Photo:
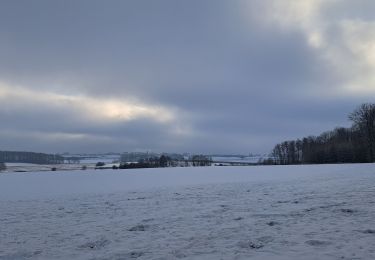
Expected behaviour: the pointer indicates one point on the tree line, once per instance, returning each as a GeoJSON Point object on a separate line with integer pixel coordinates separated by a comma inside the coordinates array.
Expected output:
{"type": "Point", "coordinates": [3, 167]}
{"type": "Point", "coordinates": [30, 157]}
{"type": "Point", "coordinates": [167, 161]}
{"type": "Point", "coordinates": [341, 145]}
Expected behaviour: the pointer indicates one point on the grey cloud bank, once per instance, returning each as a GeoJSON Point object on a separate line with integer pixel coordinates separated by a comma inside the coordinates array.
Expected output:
{"type": "Point", "coordinates": [195, 76]}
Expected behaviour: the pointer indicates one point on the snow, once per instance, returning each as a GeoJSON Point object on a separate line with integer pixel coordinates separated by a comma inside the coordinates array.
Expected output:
{"type": "Point", "coordinates": [259, 212]}
{"type": "Point", "coordinates": [29, 167]}
{"type": "Point", "coordinates": [245, 159]}
{"type": "Point", "coordinates": [94, 158]}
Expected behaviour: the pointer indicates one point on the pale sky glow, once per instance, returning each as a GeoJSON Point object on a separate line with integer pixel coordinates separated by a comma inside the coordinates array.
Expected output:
{"type": "Point", "coordinates": [93, 108]}
{"type": "Point", "coordinates": [191, 76]}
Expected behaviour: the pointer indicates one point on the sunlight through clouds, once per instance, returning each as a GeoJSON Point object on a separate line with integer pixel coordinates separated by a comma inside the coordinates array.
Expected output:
{"type": "Point", "coordinates": [92, 108]}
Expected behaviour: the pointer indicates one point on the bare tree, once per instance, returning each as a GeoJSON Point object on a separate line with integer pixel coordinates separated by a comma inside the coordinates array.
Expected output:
{"type": "Point", "coordinates": [364, 121]}
{"type": "Point", "coordinates": [341, 145]}
{"type": "Point", "coordinates": [2, 166]}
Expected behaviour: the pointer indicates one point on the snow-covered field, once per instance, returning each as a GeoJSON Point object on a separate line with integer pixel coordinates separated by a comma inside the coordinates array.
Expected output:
{"type": "Point", "coordinates": [30, 167]}
{"type": "Point", "coordinates": [246, 159]}
{"type": "Point", "coordinates": [269, 212]}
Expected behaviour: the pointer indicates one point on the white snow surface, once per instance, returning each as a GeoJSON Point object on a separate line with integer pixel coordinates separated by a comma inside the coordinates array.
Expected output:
{"type": "Point", "coordinates": [259, 212]}
{"type": "Point", "coordinates": [247, 159]}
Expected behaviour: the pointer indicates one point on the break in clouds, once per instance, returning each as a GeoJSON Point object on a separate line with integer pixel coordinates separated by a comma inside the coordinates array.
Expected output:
{"type": "Point", "coordinates": [194, 76]}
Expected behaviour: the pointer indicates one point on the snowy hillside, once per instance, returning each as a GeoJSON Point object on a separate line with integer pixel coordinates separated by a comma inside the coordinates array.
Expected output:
{"type": "Point", "coordinates": [265, 212]}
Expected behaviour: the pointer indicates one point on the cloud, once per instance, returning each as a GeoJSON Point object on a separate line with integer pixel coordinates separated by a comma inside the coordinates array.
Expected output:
{"type": "Point", "coordinates": [51, 121]}
{"type": "Point", "coordinates": [90, 108]}
{"type": "Point", "coordinates": [340, 32]}
{"type": "Point", "coordinates": [194, 76]}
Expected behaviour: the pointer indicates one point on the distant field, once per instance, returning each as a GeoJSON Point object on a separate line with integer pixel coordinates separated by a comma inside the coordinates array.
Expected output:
{"type": "Point", "coordinates": [29, 167]}
{"type": "Point", "coordinates": [259, 212]}
{"type": "Point", "coordinates": [88, 161]}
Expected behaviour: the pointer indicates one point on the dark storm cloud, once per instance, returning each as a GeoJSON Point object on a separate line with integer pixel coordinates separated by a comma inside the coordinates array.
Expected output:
{"type": "Point", "coordinates": [230, 81]}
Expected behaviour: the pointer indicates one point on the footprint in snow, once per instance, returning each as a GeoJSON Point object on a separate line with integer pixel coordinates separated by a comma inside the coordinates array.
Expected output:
{"type": "Point", "coordinates": [318, 243]}
{"type": "Point", "coordinates": [139, 228]}
{"type": "Point", "coordinates": [135, 254]}
{"type": "Point", "coordinates": [272, 223]}
{"type": "Point", "coordinates": [95, 245]}
{"type": "Point", "coordinates": [367, 231]}
{"type": "Point", "coordinates": [250, 244]}
{"type": "Point", "coordinates": [349, 211]}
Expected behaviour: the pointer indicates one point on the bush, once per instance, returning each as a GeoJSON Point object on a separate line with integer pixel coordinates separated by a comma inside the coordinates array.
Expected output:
{"type": "Point", "coordinates": [53, 169]}
{"type": "Point", "coordinates": [84, 167]}
{"type": "Point", "coordinates": [99, 164]}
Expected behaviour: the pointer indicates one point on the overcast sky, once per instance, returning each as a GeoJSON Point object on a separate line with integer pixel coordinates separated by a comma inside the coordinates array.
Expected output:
{"type": "Point", "coordinates": [204, 76]}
